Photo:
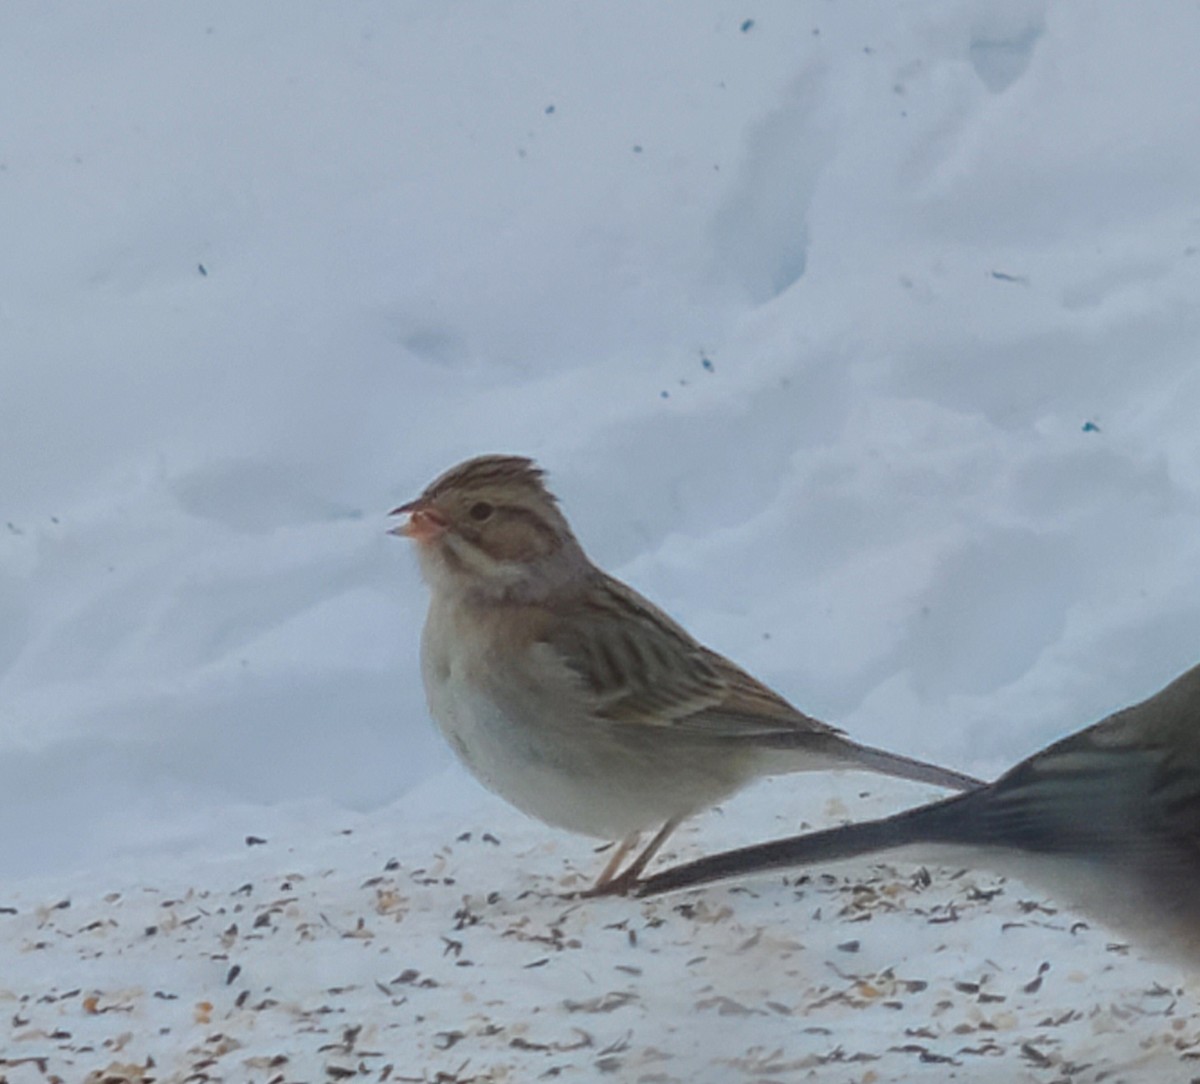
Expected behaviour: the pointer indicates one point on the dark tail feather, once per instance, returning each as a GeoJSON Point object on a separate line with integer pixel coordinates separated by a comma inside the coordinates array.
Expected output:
{"type": "Point", "coordinates": [930, 823]}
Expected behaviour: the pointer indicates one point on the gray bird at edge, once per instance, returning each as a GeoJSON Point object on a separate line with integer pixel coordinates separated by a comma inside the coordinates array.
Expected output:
{"type": "Point", "coordinates": [1107, 820]}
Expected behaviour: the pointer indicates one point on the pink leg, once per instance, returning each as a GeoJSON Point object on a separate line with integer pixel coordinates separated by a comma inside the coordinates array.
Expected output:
{"type": "Point", "coordinates": [614, 863]}
{"type": "Point", "coordinates": [612, 884]}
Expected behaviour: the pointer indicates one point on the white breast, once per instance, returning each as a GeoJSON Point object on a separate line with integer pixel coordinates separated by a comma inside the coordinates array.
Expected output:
{"type": "Point", "coordinates": [518, 721]}
{"type": "Point", "coordinates": [500, 734]}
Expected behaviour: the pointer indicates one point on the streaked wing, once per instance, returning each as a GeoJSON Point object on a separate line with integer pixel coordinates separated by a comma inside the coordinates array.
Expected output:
{"type": "Point", "coordinates": [645, 669]}
{"type": "Point", "coordinates": [1089, 793]}
{"type": "Point", "coordinates": [750, 707]}
{"type": "Point", "coordinates": [1064, 803]}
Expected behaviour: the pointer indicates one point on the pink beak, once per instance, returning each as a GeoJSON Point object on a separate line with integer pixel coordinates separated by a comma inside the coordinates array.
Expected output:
{"type": "Point", "coordinates": [424, 523]}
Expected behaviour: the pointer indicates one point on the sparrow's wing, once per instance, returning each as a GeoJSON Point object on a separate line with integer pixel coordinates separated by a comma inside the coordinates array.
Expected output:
{"type": "Point", "coordinates": [644, 669]}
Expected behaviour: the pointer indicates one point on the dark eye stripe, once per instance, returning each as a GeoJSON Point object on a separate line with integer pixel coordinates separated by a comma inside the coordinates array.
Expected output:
{"type": "Point", "coordinates": [534, 520]}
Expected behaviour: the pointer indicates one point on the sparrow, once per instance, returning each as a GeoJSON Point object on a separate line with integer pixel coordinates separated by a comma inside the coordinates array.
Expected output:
{"type": "Point", "coordinates": [570, 695]}
{"type": "Point", "coordinates": [1107, 820]}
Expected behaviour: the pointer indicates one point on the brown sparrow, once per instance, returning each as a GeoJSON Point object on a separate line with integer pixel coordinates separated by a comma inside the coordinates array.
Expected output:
{"type": "Point", "coordinates": [1108, 820]}
{"type": "Point", "coordinates": [574, 698]}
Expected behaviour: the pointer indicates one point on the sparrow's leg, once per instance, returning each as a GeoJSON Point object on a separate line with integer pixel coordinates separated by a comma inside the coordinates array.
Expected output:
{"type": "Point", "coordinates": [614, 863]}
{"type": "Point", "coordinates": [612, 884]}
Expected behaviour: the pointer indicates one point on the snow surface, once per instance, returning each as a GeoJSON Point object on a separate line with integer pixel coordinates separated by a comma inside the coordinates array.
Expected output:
{"type": "Point", "coordinates": [450, 955]}
{"type": "Point", "coordinates": [863, 338]}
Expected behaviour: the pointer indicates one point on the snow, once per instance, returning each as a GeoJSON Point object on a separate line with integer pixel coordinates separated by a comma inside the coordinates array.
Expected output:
{"type": "Point", "coordinates": [451, 954]}
{"type": "Point", "coordinates": [862, 338]}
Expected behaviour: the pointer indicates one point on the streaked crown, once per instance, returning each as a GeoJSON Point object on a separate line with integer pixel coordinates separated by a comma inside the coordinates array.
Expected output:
{"type": "Point", "coordinates": [507, 473]}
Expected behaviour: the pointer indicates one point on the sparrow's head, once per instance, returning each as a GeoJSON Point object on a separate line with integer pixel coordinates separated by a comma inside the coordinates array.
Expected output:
{"type": "Point", "coordinates": [490, 527]}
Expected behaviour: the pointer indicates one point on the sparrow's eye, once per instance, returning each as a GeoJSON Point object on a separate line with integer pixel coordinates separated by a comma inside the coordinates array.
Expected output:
{"type": "Point", "coordinates": [480, 511]}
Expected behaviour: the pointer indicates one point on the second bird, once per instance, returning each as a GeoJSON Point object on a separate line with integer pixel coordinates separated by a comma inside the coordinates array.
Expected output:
{"type": "Point", "coordinates": [573, 697]}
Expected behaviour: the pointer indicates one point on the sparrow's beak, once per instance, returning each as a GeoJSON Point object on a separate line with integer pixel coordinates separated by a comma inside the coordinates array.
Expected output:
{"type": "Point", "coordinates": [424, 524]}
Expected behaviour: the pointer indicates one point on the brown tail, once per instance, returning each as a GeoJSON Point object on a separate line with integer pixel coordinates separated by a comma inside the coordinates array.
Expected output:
{"type": "Point", "coordinates": [877, 760]}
